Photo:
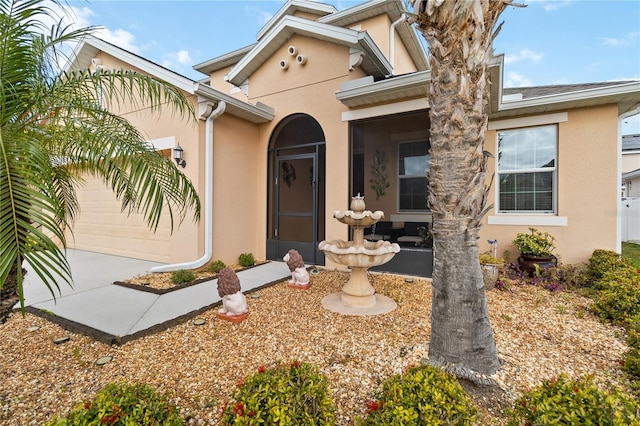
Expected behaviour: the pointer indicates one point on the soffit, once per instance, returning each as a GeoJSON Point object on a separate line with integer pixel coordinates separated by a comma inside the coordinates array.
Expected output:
{"type": "Point", "coordinates": [374, 62]}
{"type": "Point", "coordinates": [397, 88]}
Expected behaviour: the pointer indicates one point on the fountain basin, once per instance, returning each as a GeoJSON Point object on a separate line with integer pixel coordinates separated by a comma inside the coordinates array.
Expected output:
{"type": "Point", "coordinates": [369, 255]}
{"type": "Point", "coordinates": [358, 219]}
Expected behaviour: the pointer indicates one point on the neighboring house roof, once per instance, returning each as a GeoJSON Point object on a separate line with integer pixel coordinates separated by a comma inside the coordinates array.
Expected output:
{"type": "Point", "coordinates": [631, 175]}
{"type": "Point", "coordinates": [374, 62]}
{"type": "Point", "coordinates": [91, 46]}
{"type": "Point", "coordinates": [273, 35]}
{"type": "Point", "coordinates": [630, 143]}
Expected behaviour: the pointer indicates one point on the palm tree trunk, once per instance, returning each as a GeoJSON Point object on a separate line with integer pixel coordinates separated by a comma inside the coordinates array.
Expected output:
{"type": "Point", "coordinates": [9, 294]}
{"type": "Point", "coordinates": [459, 37]}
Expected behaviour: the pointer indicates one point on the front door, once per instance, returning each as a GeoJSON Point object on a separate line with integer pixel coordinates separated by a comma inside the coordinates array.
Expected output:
{"type": "Point", "coordinates": [295, 216]}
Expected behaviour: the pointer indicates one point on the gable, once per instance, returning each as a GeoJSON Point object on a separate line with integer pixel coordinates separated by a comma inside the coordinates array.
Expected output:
{"type": "Point", "coordinates": [323, 61]}
{"type": "Point", "coordinates": [373, 61]}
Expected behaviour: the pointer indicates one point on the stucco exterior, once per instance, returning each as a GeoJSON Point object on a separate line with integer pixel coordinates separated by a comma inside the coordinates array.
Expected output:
{"type": "Point", "coordinates": [362, 101]}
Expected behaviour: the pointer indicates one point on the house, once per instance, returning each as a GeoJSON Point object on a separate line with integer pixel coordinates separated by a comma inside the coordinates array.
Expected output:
{"type": "Point", "coordinates": [293, 125]}
{"type": "Point", "coordinates": [630, 166]}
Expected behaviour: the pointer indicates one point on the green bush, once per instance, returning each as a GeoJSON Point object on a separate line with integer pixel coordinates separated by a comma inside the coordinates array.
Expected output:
{"type": "Point", "coordinates": [216, 266]}
{"type": "Point", "coordinates": [619, 296]}
{"type": "Point", "coordinates": [422, 395]}
{"type": "Point", "coordinates": [632, 363]}
{"type": "Point", "coordinates": [287, 394]}
{"type": "Point", "coordinates": [633, 331]}
{"type": "Point", "coordinates": [182, 276]}
{"type": "Point", "coordinates": [122, 404]}
{"type": "Point", "coordinates": [246, 259]}
{"type": "Point", "coordinates": [573, 402]}
{"type": "Point", "coordinates": [603, 261]}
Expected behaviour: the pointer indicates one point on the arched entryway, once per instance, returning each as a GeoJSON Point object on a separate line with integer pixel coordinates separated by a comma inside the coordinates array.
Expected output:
{"type": "Point", "coordinates": [296, 189]}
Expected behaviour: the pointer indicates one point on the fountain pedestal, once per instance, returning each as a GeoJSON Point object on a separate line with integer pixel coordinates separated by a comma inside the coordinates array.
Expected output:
{"type": "Point", "coordinates": [358, 297]}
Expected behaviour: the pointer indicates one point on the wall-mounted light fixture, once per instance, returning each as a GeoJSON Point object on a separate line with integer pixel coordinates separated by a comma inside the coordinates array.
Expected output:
{"type": "Point", "coordinates": [177, 155]}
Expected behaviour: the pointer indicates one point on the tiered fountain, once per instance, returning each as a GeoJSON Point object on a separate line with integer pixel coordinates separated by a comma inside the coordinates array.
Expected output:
{"type": "Point", "coordinates": [358, 297]}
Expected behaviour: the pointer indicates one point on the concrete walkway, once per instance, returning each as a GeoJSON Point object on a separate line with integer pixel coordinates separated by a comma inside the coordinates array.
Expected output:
{"type": "Point", "coordinates": [116, 314]}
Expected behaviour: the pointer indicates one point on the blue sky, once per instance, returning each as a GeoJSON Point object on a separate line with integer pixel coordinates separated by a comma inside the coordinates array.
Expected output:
{"type": "Point", "coordinates": [548, 42]}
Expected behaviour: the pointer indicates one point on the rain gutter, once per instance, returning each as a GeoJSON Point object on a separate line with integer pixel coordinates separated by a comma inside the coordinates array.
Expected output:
{"type": "Point", "coordinates": [208, 113]}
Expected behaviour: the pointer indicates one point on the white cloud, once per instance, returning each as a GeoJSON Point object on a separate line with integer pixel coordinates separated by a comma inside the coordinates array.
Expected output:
{"type": "Point", "coordinates": [121, 38]}
{"type": "Point", "coordinates": [551, 5]}
{"type": "Point", "coordinates": [523, 55]}
{"type": "Point", "coordinates": [176, 59]}
{"type": "Point", "coordinates": [624, 41]}
{"type": "Point", "coordinates": [513, 79]}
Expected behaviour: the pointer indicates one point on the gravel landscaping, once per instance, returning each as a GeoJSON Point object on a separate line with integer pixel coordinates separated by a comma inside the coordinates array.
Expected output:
{"type": "Point", "coordinates": [539, 334]}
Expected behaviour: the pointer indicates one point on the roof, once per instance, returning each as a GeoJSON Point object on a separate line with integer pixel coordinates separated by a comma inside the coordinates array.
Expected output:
{"type": "Point", "coordinates": [630, 143]}
{"type": "Point", "coordinates": [631, 175]}
{"type": "Point", "coordinates": [281, 27]}
{"type": "Point", "coordinates": [91, 46]}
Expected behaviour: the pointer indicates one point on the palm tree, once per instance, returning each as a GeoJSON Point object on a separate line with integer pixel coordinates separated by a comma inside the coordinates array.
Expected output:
{"type": "Point", "coordinates": [460, 36]}
{"type": "Point", "coordinates": [55, 127]}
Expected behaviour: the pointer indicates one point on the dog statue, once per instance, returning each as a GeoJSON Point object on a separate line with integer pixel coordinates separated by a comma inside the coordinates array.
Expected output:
{"type": "Point", "coordinates": [299, 273]}
{"type": "Point", "coordinates": [233, 301]}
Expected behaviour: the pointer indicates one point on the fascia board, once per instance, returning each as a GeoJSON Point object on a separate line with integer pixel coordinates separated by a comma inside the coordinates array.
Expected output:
{"type": "Point", "coordinates": [293, 5]}
{"type": "Point", "coordinates": [631, 175]}
{"type": "Point", "coordinates": [225, 60]}
{"type": "Point", "coordinates": [417, 79]}
{"type": "Point", "coordinates": [355, 11]}
{"type": "Point", "coordinates": [374, 54]}
{"type": "Point", "coordinates": [148, 67]}
{"type": "Point", "coordinates": [253, 113]}
{"type": "Point", "coordinates": [568, 98]}
{"type": "Point", "coordinates": [290, 25]}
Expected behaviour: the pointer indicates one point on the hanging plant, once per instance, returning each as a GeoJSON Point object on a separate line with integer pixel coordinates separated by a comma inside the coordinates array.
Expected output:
{"type": "Point", "coordinates": [379, 179]}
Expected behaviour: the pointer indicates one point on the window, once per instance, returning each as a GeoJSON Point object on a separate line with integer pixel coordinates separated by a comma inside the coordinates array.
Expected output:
{"type": "Point", "coordinates": [413, 162]}
{"type": "Point", "coordinates": [527, 170]}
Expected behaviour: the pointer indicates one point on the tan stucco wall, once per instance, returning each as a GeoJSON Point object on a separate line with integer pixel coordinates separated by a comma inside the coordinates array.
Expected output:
{"type": "Point", "coordinates": [101, 226]}
{"type": "Point", "coordinates": [239, 190]}
{"type": "Point", "coordinates": [588, 187]}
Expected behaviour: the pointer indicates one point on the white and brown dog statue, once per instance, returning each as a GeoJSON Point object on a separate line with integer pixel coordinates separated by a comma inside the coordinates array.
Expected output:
{"type": "Point", "coordinates": [299, 273]}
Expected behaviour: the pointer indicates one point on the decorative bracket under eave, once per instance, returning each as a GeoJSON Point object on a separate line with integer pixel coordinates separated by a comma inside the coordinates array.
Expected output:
{"type": "Point", "coordinates": [355, 58]}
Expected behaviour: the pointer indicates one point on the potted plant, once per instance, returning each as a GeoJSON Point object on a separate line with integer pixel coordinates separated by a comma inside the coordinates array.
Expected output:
{"type": "Point", "coordinates": [536, 250]}
{"type": "Point", "coordinates": [491, 267]}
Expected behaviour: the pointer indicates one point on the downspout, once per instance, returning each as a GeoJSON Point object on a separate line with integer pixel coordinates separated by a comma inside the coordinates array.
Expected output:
{"type": "Point", "coordinates": [209, 114]}
{"type": "Point", "coordinates": [392, 40]}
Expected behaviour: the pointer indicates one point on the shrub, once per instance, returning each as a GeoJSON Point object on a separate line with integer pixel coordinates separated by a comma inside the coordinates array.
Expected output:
{"type": "Point", "coordinates": [536, 243]}
{"type": "Point", "coordinates": [632, 363]}
{"type": "Point", "coordinates": [619, 297]}
{"type": "Point", "coordinates": [633, 331]}
{"type": "Point", "coordinates": [603, 261]}
{"type": "Point", "coordinates": [123, 404]}
{"type": "Point", "coordinates": [182, 276]}
{"type": "Point", "coordinates": [246, 259]}
{"type": "Point", "coordinates": [216, 266]}
{"type": "Point", "coordinates": [287, 394]}
{"type": "Point", "coordinates": [573, 402]}
{"type": "Point", "coordinates": [422, 395]}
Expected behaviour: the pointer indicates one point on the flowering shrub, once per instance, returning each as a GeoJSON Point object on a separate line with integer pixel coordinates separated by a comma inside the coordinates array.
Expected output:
{"type": "Point", "coordinates": [287, 394]}
{"type": "Point", "coordinates": [422, 395]}
{"type": "Point", "coordinates": [573, 402]}
{"type": "Point", "coordinates": [123, 404]}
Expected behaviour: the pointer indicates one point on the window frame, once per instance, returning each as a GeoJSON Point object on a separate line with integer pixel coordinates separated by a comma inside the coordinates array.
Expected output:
{"type": "Point", "coordinates": [412, 176]}
{"type": "Point", "coordinates": [552, 170]}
